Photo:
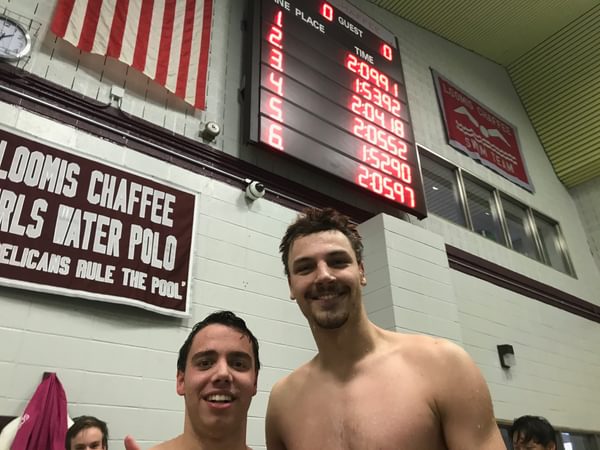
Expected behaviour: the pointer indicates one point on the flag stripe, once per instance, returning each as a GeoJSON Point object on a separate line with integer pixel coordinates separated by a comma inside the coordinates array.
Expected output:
{"type": "Point", "coordinates": [190, 92]}
{"type": "Point", "coordinates": [166, 36]}
{"type": "Point", "coordinates": [101, 40]}
{"type": "Point", "coordinates": [143, 35]}
{"type": "Point", "coordinates": [130, 33]}
{"type": "Point", "coordinates": [167, 40]}
{"type": "Point", "coordinates": [73, 31]}
{"type": "Point", "coordinates": [154, 40]}
{"type": "Point", "coordinates": [203, 66]}
{"type": "Point", "coordinates": [186, 47]}
{"type": "Point", "coordinates": [117, 29]}
{"type": "Point", "coordinates": [60, 22]}
{"type": "Point", "coordinates": [175, 48]}
{"type": "Point", "coordinates": [90, 24]}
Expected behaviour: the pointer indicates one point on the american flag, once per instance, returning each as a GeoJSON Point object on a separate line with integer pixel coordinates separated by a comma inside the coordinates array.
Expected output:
{"type": "Point", "coordinates": [168, 40]}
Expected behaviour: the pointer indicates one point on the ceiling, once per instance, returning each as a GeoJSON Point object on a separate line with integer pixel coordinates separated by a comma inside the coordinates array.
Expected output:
{"type": "Point", "coordinates": [551, 50]}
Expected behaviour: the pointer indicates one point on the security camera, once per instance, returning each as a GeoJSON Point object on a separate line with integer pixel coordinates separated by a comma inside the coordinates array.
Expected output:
{"type": "Point", "coordinates": [255, 190]}
{"type": "Point", "coordinates": [211, 131]}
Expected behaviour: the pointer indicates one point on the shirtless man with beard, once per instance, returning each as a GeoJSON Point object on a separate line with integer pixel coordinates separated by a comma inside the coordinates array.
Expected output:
{"type": "Point", "coordinates": [217, 372]}
{"type": "Point", "coordinates": [367, 388]}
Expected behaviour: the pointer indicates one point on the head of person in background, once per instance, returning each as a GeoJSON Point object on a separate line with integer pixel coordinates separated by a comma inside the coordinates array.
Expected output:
{"type": "Point", "coordinates": [87, 433]}
{"type": "Point", "coordinates": [532, 433]}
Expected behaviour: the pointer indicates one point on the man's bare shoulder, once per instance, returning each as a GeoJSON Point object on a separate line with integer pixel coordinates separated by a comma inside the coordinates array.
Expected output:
{"type": "Point", "coordinates": [292, 380]}
{"type": "Point", "coordinates": [424, 347]}
{"type": "Point", "coordinates": [172, 444]}
{"type": "Point", "coordinates": [440, 359]}
{"type": "Point", "coordinates": [413, 349]}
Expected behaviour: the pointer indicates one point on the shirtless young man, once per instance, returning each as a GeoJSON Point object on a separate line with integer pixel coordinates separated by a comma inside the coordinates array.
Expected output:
{"type": "Point", "coordinates": [367, 388]}
{"type": "Point", "coordinates": [217, 371]}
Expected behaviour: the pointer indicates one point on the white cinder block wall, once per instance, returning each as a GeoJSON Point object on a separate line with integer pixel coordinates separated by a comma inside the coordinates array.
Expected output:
{"type": "Point", "coordinates": [586, 199]}
{"type": "Point", "coordinates": [558, 364]}
{"type": "Point", "coordinates": [409, 287]}
{"type": "Point", "coordinates": [119, 362]}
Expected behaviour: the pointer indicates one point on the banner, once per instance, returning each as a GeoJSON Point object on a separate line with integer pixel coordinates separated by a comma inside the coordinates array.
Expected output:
{"type": "Point", "coordinates": [480, 133]}
{"type": "Point", "coordinates": [167, 40]}
{"type": "Point", "coordinates": [76, 227]}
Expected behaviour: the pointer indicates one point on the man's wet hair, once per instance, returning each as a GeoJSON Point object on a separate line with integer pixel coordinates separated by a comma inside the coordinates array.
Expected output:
{"type": "Point", "coordinates": [533, 428]}
{"type": "Point", "coordinates": [314, 220]}
{"type": "Point", "coordinates": [83, 422]}
{"type": "Point", "coordinates": [226, 318]}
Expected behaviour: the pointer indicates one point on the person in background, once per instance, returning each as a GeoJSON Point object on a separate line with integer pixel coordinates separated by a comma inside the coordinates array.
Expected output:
{"type": "Point", "coordinates": [532, 433]}
{"type": "Point", "coordinates": [367, 388]}
{"type": "Point", "coordinates": [87, 433]}
{"type": "Point", "coordinates": [217, 373]}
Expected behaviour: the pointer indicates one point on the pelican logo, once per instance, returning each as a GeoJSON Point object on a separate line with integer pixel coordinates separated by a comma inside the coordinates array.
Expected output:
{"type": "Point", "coordinates": [485, 132]}
{"type": "Point", "coordinates": [477, 131]}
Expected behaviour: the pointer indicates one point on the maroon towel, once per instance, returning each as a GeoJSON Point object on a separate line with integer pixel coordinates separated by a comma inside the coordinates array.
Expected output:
{"type": "Point", "coordinates": [44, 423]}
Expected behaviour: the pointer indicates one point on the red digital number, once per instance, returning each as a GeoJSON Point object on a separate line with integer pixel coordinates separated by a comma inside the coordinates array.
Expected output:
{"type": "Point", "coordinates": [397, 127]}
{"type": "Point", "coordinates": [327, 11]}
{"type": "Point", "coordinates": [387, 187]}
{"type": "Point", "coordinates": [279, 19]}
{"type": "Point", "coordinates": [377, 116]}
{"type": "Point", "coordinates": [367, 72]}
{"type": "Point", "coordinates": [387, 163]}
{"type": "Point", "coordinates": [275, 109]}
{"type": "Point", "coordinates": [377, 96]}
{"type": "Point", "coordinates": [276, 81]}
{"type": "Point", "coordinates": [367, 110]}
{"type": "Point", "coordinates": [380, 138]}
{"type": "Point", "coordinates": [386, 51]}
{"type": "Point", "coordinates": [275, 36]}
{"type": "Point", "coordinates": [275, 136]}
{"type": "Point", "coordinates": [370, 74]}
{"type": "Point", "coordinates": [276, 59]}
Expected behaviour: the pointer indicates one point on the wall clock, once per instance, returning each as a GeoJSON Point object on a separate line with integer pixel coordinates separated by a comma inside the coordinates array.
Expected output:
{"type": "Point", "coordinates": [15, 41]}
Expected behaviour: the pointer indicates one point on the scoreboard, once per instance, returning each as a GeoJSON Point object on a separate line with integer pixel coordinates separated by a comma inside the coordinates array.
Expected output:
{"type": "Point", "coordinates": [327, 90]}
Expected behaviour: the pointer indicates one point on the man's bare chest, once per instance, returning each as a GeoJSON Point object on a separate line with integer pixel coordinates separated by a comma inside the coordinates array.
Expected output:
{"type": "Point", "coordinates": [380, 413]}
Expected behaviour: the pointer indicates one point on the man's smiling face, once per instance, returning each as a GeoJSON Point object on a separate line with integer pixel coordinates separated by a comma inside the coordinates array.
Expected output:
{"type": "Point", "coordinates": [325, 278]}
{"type": "Point", "coordinates": [219, 380]}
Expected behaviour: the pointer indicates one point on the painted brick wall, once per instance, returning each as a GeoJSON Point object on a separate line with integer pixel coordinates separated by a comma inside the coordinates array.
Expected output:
{"type": "Point", "coordinates": [409, 289]}
{"type": "Point", "coordinates": [586, 199]}
{"type": "Point", "coordinates": [557, 374]}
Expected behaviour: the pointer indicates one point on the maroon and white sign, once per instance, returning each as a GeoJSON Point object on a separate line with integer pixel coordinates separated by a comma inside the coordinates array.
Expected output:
{"type": "Point", "coordinates": [74, 226]}
{"type": "Point", "coordinates": [482, 134]}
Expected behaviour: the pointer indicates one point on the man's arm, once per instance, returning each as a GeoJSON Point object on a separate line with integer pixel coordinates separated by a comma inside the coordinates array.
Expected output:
{"type": "Point", "coordinates": [464, 403]}
{"type": "Point", "coordinates": [272, 422]}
